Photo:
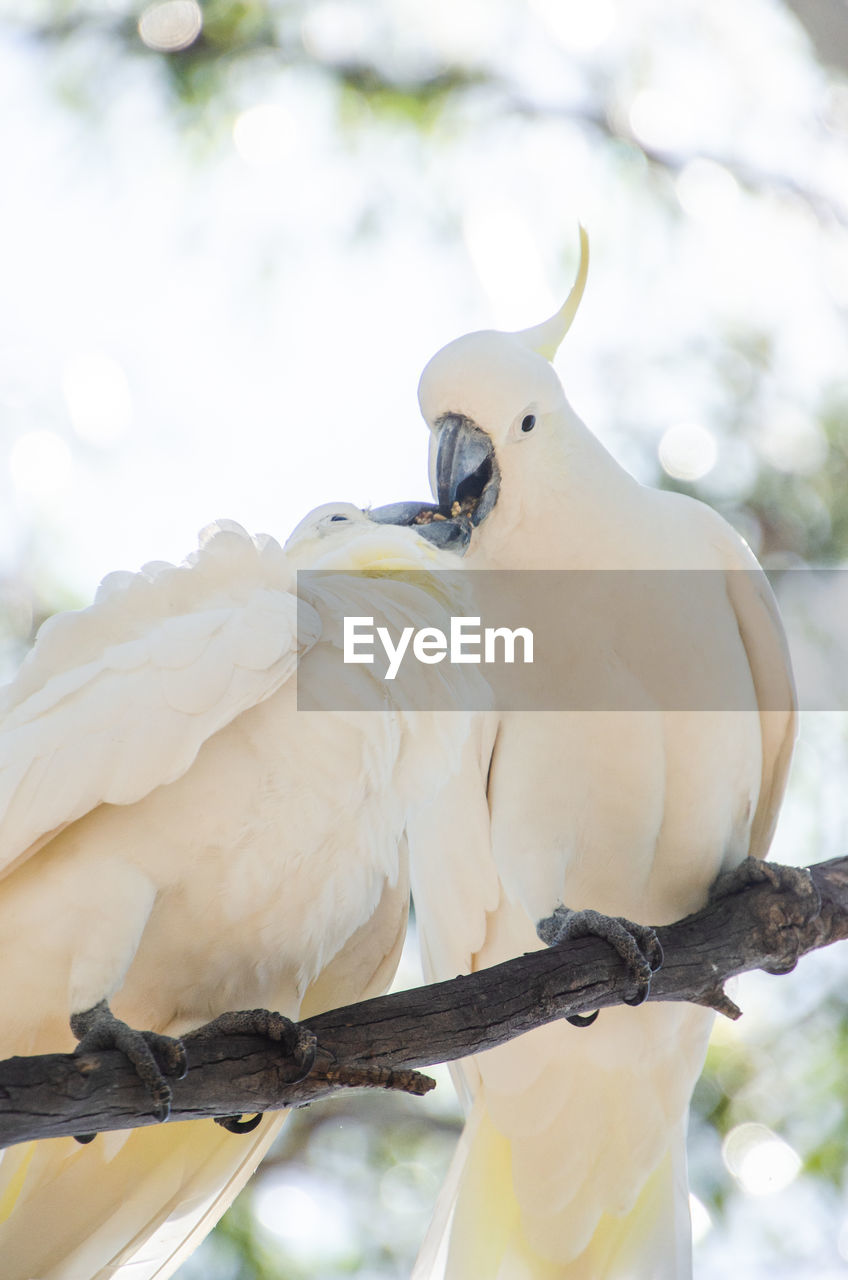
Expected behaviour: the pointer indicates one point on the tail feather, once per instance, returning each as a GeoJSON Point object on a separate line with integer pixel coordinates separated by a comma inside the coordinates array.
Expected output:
{"type": "Point", "coordinates": [432, 1256]}
{"type": "Point", "coordinates": [486, 1217]}
{"type": "Point", "coordinates": [162, 1246]}
{"type": "Point", "coordinates": [651, 1241]}
{"type": "Point", "coordinates": [140, 1201]}
{"type": "Point", "coordinates": [484, 1227]}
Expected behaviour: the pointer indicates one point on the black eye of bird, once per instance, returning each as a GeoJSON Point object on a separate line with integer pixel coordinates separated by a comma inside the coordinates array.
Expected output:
{"type": "Point", "coordinates": [529, 422]}
{"type": "Point", "coordinates": [332, 518]}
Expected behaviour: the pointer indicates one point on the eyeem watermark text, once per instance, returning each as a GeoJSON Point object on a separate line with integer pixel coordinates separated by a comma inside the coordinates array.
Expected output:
{"type": "Point", "coordinates": [466, 642]}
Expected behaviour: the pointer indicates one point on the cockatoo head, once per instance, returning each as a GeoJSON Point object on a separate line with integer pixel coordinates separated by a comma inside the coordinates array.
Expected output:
{"type": "Point", "coordinates": [340, 536]}
{"type": "Point", "coordinates": [323, 523]}
{"type": "Point", "coordinates": [499, 420]}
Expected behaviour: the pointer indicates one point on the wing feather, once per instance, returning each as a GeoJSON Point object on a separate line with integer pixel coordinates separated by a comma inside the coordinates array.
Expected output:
{"type": "Point", "coordinates": [763, 637]}
{"type": "Point", "coordinates": [455, 884]}
{"type": "Point", "coordinates": [117, 699]}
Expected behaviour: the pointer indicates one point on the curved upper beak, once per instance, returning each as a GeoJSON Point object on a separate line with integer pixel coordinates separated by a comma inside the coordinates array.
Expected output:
{"type": "Point", "coordinates": [465, 469]}
{"type": "Point", "coordinates": [466, 466]}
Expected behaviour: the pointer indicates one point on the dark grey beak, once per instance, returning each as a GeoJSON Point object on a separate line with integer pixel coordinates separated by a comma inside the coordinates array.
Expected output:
{"type": "Point", "coordinates": [449, 534]}
{"type": "Point", "coordinates": [466, 466]}
{"type": "Point", "coordinates": [465, 469]}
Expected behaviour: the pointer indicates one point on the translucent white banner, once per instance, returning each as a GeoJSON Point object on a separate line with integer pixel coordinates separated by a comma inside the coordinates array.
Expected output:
{"type": "Point", "coordinates": [574, 640]}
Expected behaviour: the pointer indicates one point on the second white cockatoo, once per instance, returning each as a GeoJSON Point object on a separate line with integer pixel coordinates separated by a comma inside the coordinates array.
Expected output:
{"type": "Point", "coordinates": [179, 840]}
{"type": "Point", "coordinates": [573, 1165]}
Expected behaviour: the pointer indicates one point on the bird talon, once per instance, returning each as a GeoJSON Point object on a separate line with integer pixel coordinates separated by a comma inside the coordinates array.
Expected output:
{"type": "Point", "coordinates": [639, 998]}
{"type": "Point", "coordinates": [237, 1124]}
{"type": "Point", "coordinates": [753, 871]}
{"type": "Point", "coordinates": [300, 1044]}
{"type": "Point", "coordinates": [169, 1053]}
{"type": "Point", "coordinates": [653, 950]}
{"type": "Point", "coordinates": [305, 1053]}
{"type": "Point", "coordinates": [161, 1095]}
{"type": "Point", "coordinates": [151, 1054]}
{"type": "Point", "coordinates": [637, 945]}
{"type": "Point", "coordinates": [582, 1019]}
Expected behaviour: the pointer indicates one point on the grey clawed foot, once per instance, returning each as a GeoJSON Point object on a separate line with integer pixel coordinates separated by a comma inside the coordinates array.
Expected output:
{"type": "Point", "coordinates": [637, 944]}
{"type": "Point", "coordinates": [803, 906]}
{"type": "Point", "coordinates": [752, 871]}
{"type": "Point", "coordinates": [299, 1045]}
{"type": "Point", "coordinates": [154, 1056]}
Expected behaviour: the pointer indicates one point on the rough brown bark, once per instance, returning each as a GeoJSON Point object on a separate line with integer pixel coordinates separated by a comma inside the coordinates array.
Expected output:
{"type": "Point", "coordinates": [378, 1043]}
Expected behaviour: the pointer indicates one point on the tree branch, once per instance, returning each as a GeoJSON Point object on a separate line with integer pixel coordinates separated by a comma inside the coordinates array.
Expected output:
{"type": "Point", "coordinates": [378, 1043]}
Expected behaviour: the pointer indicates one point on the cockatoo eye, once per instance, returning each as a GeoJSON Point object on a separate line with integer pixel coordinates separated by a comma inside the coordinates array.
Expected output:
{"type": "Point", "coordinates": [334, 518]}
{"type": "Point", "coordinates": [529, 422]}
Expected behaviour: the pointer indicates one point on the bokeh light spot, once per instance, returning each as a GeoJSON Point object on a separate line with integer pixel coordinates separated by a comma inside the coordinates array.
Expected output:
{"type": "Point", "coordinates": [312, 1222]}
{"type": "Point", "coordinates": [793, 442]}
{"type": "Point", "coordinates": [761, 1162]}
{"type": "Point", "coordinates": [687, 451]}
{"type": "Point", "coordinates": [170, 25]}
{"type": "Point", "coordinates": [97, 394]}
{"type": "Point", "coordinates": [706, 190]}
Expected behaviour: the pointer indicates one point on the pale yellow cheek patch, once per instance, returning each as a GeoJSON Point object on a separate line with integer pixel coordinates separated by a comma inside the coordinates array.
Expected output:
{"type": "Point", "coordinates": [444, 590]}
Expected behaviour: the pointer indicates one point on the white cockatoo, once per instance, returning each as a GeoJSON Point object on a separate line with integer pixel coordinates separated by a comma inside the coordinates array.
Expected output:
{"type": "Point", "coordinates": [179, 840]}
{"type": "Point", "coordinates": [572, 1165]}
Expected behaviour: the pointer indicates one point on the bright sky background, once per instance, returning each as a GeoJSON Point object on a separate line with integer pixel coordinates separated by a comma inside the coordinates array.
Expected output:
{"type": "Point", "coordinates": [242, 336]}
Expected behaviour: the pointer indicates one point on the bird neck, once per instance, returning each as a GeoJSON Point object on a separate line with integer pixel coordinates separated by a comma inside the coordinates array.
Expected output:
{"type": "Point", "coordinates": [568, 513]}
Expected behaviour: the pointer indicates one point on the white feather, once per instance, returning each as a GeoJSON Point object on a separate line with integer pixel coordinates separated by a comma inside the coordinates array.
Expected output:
{"type": "Point", "coordinates": [180, 839]}
{"type": "Point", "coordinates": [575, 1164]}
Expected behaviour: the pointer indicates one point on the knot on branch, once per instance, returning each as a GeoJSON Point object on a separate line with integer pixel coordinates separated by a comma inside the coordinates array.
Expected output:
{"type": "Point", "coordinates": [718, 999]}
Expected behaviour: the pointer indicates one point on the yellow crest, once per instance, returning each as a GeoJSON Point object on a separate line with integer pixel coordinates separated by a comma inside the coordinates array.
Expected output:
{"type": "Point", "coordinates": [546, 337]}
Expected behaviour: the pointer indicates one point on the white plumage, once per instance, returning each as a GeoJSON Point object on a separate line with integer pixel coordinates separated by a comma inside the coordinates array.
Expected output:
{"type": "Point", "coordinates": [177, 838]}
{"type": "Point", "coordinates": [573, 1165]}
